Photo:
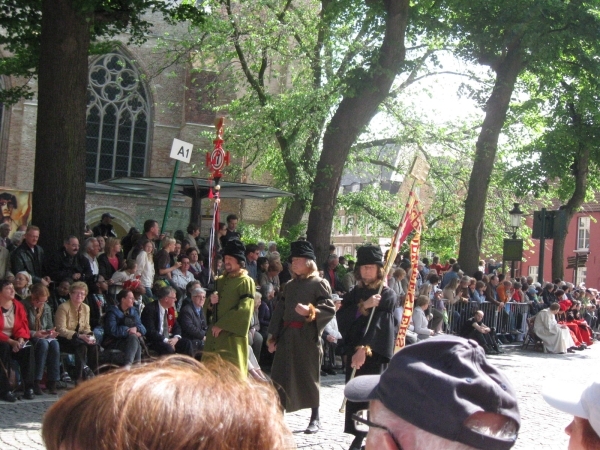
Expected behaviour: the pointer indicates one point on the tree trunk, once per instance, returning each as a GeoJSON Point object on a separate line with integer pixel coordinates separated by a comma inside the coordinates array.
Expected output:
{"type": "Point", "coordinates": [558, 252]}
{"type": "Point", "coordinates": [59, 179]}
{"type": "Point", "coordinates": [485, 155]}
{"type": "Point", "coordinates": [296, 209]}
{"type": "Point", "coordinates": [294, 212]}
{"type": "Point", "coordinates": [353, 114]}
{"type": "Point", "coordinates": [580, 170]}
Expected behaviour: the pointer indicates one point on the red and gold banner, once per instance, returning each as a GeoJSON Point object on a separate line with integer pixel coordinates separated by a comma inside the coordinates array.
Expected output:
{"type": "Point", "coordinates": [412, 287]}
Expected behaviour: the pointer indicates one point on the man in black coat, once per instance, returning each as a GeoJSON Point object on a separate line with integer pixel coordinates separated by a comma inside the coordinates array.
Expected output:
{"type": "Point", "coordinates": [29, 257]}
{"type": "Point", "coordinates": [163, 333]}
{"type": "Point", "coordinates": [105, 228]}
{"type": "Point", "coordinates": [69, 263]}
{"type": "Point", "coordinates": [192, 321]}
{"type": "Point", "coordinates": [368, 349]}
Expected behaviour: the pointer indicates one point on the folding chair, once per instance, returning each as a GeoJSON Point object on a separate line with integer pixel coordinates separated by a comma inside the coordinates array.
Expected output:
{"type": "Point", "coordinates": [531, 337]}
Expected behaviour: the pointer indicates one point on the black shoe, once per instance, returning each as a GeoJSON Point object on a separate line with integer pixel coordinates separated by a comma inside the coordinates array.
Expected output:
{"type": "Point", "coordinates": [8, 397]}
{"type": "Point", "coordinates": [28, 394]}
{"type": "Point", "coordinates": [331, 371]}
{"type": "Point", "coordinates": [580, 348]}
{"type": "Point", "coordinates": [88, 374]}
{"type": "Point", "coordinates": [323, 373]}
{"type": "Point", "coordinates": [570, 350]}
{"type": "Point", "coordinates": [503, 340]}
{"type": "Point", "coordinates": [37, 390]}
{"type": "Point", "coordinates": [313, 427]}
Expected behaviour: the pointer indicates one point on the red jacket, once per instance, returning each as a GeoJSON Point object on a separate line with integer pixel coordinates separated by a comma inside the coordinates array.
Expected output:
{"type": "Point", "coordinates": [21, 328]}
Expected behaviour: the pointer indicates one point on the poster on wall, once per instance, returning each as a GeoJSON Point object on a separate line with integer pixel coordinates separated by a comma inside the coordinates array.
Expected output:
{"type": "Point", "coordinates": [15, 208]}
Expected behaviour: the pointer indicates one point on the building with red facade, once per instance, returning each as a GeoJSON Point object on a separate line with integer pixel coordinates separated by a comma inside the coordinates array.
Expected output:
{"type": "Point", "coordinates": [583, 238]}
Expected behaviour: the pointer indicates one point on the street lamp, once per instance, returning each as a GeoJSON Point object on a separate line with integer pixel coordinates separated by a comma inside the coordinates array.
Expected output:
{"type": "Point", "coordinates": [515, 219]}
{"type": "Point", "coordinates": [513, 248]}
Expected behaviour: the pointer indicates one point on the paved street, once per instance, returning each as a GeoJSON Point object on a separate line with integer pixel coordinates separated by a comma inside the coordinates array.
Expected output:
{"type": "Point", "coordinates": [542, 427]}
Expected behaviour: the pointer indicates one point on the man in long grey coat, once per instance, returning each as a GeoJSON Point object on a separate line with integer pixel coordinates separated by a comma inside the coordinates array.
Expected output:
{"type": "Point", "coordinates": [295, 332]}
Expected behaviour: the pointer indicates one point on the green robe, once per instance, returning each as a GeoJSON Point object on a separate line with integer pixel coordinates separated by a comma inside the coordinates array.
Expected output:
{"type": "Point", "coordinates": [232, 314]}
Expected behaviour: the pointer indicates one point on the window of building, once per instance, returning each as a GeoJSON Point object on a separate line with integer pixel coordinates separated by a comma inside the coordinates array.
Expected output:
{"type": "Point", "coordinates": [533, 272]}
{"type": "Point", "coordinates": [581, 275]}
{"type": "Point", "coordinates": [583, 233]}
{"type": "Point", "coordinates": [342, 223]}
{"type": "Point", "coordinates": [118, 115]}
{"type": "Point", "coordinates": [350, 226]}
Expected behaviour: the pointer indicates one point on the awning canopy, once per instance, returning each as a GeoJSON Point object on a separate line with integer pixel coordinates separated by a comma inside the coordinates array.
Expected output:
{"type": "Point", "coordinates": [196, 188]}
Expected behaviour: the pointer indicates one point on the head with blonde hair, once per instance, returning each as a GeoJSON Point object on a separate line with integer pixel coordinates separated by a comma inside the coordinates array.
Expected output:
{"type": "Point", "coordinates": [112, 246]}
{"type": "Point", "coordinates": [168, 243]}
{"type": "Point", "coordinates": [38, 290]}
{"type": "Point", "coordinates": [422, 301]}
{"type": "Point", "coordinates": [176, 403]}
{"type": "Point", "coordinates": [78, 286]}
{"type": "Point", "coordinates": [299, 272]}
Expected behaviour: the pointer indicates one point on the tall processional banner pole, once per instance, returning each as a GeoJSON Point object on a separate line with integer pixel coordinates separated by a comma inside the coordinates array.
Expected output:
{"type": "Point", "coordinates": [418, 172]}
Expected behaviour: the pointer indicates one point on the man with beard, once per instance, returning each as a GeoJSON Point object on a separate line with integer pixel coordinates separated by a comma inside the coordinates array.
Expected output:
{"type": "Point", "coordinates": [368, 350]}
{"type": "Point", "coordinates": [230, 313]}
{"type": "Point", "coordinates": [295, 332]}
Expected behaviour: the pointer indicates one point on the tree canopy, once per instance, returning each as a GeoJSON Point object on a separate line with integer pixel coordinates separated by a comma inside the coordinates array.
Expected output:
{"type": "Point", "coordinates": [51, 40]}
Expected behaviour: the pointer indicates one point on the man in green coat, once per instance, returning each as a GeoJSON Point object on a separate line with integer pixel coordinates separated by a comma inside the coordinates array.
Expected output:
{"type": "Point", "coordinates": [229, 316]}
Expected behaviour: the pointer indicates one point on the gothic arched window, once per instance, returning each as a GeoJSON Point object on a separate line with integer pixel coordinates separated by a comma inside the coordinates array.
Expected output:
{"type": "Point", "coordinates": [118, 116]}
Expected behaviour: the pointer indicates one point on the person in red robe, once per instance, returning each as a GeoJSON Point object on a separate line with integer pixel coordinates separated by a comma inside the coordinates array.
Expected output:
{"type": "Point", "coordinates": [579, 332]}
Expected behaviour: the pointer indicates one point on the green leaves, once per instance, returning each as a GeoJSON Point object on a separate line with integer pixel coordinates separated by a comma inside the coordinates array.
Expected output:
{"type": "Point", "coordinates": [20, 21]}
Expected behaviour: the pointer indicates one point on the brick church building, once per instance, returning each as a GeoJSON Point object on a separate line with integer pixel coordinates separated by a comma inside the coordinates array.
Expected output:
{"type": "Point", "coordinates": [135, 110]}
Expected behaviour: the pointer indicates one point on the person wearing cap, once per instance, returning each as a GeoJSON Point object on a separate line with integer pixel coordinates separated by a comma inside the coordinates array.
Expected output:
{"type": "Point", "coordinates": [295, 330]}
{"type": "Point", "coordinates": [229, 313]}
{"type": "Point", "coordinates": [105, 228]}
{"type": "Point", "coordinates": [368, 350]}
{"type": "Point", "coordinates": [582, 402]}
{"type": "Point", "coordinates": [437, 393]}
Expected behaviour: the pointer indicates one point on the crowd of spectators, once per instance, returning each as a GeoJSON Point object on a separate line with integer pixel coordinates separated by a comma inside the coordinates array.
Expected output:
{"type": "Point", "coordinates": [68, 312]}
{"type": "Point", "coordinates": [145, 293]}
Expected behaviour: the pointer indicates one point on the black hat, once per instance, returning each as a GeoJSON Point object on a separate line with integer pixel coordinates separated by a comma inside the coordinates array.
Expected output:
{"type": "Point", "coordinates": [437, 384]}
{"type": "Point", "coordinates": [107, 214]}
{"type": "Point", "coordinates": [369, 254]}
{"type": "Point", "coordinates": [235, 248]}
{"type": "Point", "coordinates": [302, 249]}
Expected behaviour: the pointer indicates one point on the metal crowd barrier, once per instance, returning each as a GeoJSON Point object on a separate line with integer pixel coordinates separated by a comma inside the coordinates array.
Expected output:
{"type": "Point", "coordinates": [511, 319]}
